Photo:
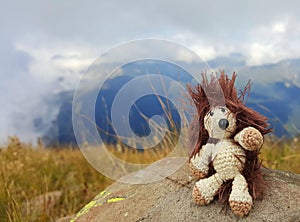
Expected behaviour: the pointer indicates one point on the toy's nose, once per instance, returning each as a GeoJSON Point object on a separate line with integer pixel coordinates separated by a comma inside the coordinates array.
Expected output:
{"type": "Point", "coordinates": [223, 124]}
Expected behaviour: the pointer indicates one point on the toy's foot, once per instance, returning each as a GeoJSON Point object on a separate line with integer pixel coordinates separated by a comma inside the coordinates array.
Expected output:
{"type": "Point", "coordinates": [198, 197]}
{"type": "Point", "coordinates": [240, 208]}
{"type": "Point", "coordinates": [240, 200]}
{"type": "Point", "coordinates": [197, 173]}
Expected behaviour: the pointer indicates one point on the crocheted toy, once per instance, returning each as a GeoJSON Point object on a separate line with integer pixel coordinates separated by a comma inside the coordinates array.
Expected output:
{"type": "Point", "coordinates": [226, 137]}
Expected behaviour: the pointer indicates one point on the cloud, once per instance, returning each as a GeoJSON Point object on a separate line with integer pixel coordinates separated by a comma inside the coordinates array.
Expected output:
{"type": "Point", "coordinates": [273, 42]}
{"type": "Point", "coordinates": [279, 27]}
{"type": "Point", "coordinates": [45, 46]}
{"type": "Point", "coordinates": [31, 79]}
{"type": "Point", "coordinates": [210, 29]}
{"type": "Point", "coordinates": [56, 59]}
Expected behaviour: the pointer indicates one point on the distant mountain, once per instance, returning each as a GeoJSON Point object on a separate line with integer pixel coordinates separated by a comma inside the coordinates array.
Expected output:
{"type": "Point", "coordinates": [275, 93]}
{"type": "Point", "coordinates": [279, 104]}
{"type": "Point", "coordinates": [61, 131]}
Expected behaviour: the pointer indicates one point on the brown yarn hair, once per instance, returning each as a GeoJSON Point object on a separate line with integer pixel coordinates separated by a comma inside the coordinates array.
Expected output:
{"type": "Point", "coordinates": [220, 91]}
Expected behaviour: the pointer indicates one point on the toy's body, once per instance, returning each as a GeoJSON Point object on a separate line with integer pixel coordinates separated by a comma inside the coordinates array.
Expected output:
{"type": "Point", "coordinates": [223, 151]}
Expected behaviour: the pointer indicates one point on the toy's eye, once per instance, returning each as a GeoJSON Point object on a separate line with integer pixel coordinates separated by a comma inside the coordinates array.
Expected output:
{"type": "Point", "coordinates": [223, 110]}
{"type": "Point", "coordinates": [211, 113]}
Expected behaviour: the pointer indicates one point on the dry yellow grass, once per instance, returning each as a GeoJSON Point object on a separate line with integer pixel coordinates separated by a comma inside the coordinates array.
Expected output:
{"type": "Point", "coordinates": [281, 154]}
{"type": "Point", "coordinates": [27, 172]}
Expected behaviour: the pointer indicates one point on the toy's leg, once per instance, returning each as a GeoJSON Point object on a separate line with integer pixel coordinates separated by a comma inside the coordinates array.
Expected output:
{"type": "Point", "coordinates": [240, 200]}
{"type": "Point", "coordinates": [196, 173]}
{"type": "Point", "coordinates": [205, 189]}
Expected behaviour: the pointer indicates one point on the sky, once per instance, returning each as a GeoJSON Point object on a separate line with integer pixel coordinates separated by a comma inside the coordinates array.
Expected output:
{"type": "Point", "coordinates": [46, 45]}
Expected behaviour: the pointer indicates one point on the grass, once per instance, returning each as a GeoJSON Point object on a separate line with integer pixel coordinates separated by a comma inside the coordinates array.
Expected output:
{"type": "Point", "coordinates": [27, 172]}
{"type": "Point", "coordinates": [281, 154]}
{"type": "Point", "coordinates": [38, 184]}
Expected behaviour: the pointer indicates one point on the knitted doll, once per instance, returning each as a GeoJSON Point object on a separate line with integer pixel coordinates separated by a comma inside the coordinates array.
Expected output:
{"type": "Point", "coordinates": [226, 137]}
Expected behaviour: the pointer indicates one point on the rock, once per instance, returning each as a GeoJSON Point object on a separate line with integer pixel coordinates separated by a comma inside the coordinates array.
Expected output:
{"type": "Point", "coordinates": [170, 200]}
{"type": "Point", "coordinates": [41, 204]}
{"type": "Point", "coordinates": [64, 219]}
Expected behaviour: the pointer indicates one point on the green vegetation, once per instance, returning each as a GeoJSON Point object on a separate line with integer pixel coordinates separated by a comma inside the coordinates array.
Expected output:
{"type": "Point", "coordinates": [38, 184]}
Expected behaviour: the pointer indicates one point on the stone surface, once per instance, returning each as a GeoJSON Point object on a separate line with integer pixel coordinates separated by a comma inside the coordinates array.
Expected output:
{"type": "Point", "coordinates": [170, 200]}
{"type": "Point", "coordinates": [41, 204]}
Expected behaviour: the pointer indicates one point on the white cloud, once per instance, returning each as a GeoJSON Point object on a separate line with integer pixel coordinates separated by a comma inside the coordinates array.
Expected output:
{"type": "Point", "coordinates": [55, 59]}
{"type": "Point", "coordinates": [205, 52]}
{"type": "Point", "coordinates": [49, 41]}
{"type": "Point", "coordinates": [279, 27]}
{"type": "Point", "coordinates": [48, 68]}
{"type": "Point", "coordinates": [184, 56]}
{"type": "Point", "coordinates": [260, 53]}
{"type": "Point", "coordinates": [273, 42]}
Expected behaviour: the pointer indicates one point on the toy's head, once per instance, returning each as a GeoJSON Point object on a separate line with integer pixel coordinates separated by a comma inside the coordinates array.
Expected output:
{"type": "Point", "coordinates": [220, 123]}
{"type": "Point", "coordinates": [221, 112]}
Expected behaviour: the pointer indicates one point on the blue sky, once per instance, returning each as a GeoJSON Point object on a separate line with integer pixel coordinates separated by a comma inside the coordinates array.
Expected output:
{"type": "Point", "coordinates": [45, 45]}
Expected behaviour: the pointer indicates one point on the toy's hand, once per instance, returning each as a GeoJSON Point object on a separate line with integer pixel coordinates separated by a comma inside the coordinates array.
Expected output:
{"type": "Point", "coordinates": [249, 138]}
{"type": "Point", "coordinates": [200, 162]}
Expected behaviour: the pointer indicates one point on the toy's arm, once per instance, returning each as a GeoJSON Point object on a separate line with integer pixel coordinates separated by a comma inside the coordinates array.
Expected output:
{"type": "Point", "coordinates": [199, 164]}
{"type": "Point", "coordinates": [249, 138]}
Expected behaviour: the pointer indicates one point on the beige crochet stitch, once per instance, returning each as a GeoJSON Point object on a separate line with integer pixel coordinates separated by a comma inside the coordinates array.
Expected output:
{"type": "Point", "coordinates": [223, 148]}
